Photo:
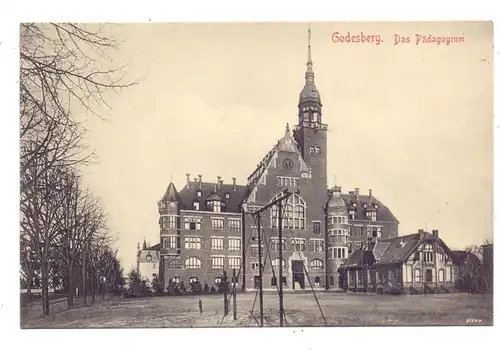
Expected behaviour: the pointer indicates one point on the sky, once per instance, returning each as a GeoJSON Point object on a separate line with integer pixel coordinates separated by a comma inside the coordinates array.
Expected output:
{"type": "Point", "coordinates": [414, 123]}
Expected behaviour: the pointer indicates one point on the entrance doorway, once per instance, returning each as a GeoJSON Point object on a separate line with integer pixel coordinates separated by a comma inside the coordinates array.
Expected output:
{"type": "Point", "coordinates": [428, 275]}
{"type": "Point", "coordinates": [298, 273]}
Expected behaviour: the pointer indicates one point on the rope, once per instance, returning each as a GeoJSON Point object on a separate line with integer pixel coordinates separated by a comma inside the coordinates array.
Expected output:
{"type": "Point", "coordinates": [309, 279]}
{"type": "Point", "coordinates": [237, 277]}
{"type": "Point", "coordinates": [274, 274]}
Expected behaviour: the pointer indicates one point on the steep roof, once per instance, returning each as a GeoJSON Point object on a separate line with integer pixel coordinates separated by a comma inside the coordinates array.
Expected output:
{"type": "Point", "coordinates": [383, 212]}
{"type": "Point", "coordinates": [171, 194]}
{"type": "Point", "coordinates": [286, 144]}
{"type": "Point", "coordinates": [189, 194]}
{"type": "Point", "coordinates": [398, 249]}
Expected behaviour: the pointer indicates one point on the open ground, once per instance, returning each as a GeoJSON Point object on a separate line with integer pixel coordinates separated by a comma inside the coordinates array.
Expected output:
{"type": "Point", "coordinates": [301, 310]}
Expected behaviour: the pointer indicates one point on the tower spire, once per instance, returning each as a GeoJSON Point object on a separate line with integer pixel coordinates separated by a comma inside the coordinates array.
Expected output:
{"type": "Point", "coordinates": [309, 71]}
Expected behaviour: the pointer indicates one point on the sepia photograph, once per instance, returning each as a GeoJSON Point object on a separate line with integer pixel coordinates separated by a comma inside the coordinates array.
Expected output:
{"type": "Point", "coordinates": [256, 174]}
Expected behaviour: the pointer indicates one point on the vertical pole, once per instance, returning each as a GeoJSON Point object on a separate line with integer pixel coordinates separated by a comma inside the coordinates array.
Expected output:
{"type": "Point", "coordinates": [243, 251]}
{"type": "Point", "coordinates": [280, 239]}
{"type": "Point", "coordinates": [261, 300]}
{"type": "Point", "coordinates": [234, 295]}
{"type": "Point", "coordinates": [225, 285]}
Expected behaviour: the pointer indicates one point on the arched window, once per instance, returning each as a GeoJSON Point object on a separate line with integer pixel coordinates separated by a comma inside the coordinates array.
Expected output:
{"type": "Point", "coordinates": [175, 264]}
{"type": "Point", "coordinates": [294, 212]}
{"type": "Point", "coordinates": [330, 281]}
{"type": "Point", "coordinates": [417, 275]}
{"type": "Point", "coordinates": [192, 263]}
{"type": "Point", "coordinates": [275, 263]}
{"type": "Point", "coordinates": [441, 275]}
{"type": "Point", "coordinates": [316, 264]}
{"type": "Point", "coordinates": [193, 280]}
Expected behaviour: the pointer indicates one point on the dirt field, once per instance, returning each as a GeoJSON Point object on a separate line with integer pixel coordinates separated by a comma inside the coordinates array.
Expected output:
{"type": "Point", "coordinates": [301, 310]}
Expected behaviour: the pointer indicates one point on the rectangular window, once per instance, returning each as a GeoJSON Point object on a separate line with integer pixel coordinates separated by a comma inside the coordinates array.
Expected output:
{"type": "Point", "coordinates": [316, 245]}
{"type": "Point", "coordinates": [169, 221]}
{"type": "Point", "coordinates": [234, 263]}
{"type": "Point", "coordinates": [374, 231]}
{"type": "Point", "coordinates": [449, 274]}
{"type": "Point", "coordinates": [192, 224]}
{"type": "Point", "coordinates": [234, 244]}
{"type": "Point", "coordinates": [171, 242]}
{"type": "Point", "coordinates": [217, 243]}
{"type": "Point", "coordinates": [316, 228]}
{"type": "Point", "coordinates": [233, 225]}
{"type": "Point", "coordinates": [193, 243]}
{"type": "Point", "coordinates": [275, 244]}
{"type": "Point", "coordinates": [298, 244]}
{"type": "Point", "coordinates": [352, 214]}
{"type": "Point", "coordinates": [196, 205]}
{"type": "Point", "coordinates": [338, 253]}
{"type": "Point", "coordinates": [284, 181]}
{"type": "Point", "coordinates": [255, 265]}
{"type": "Point", "coordinates": [409, 273]}
{"type": "Point", "coordinates": [216, 205]}
{"type": "Point", "coordinates": [217, 224]}
{"type": "Point", "coordinates": [217, 263]}
{"type": "Point", "coordinates": [358, 230]}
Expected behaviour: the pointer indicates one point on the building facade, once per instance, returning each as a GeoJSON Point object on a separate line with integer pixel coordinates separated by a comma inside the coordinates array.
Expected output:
{"type": "Point", "coordinates": [421, 262]}
{"type": "Point", "coordinates": [208, 227]}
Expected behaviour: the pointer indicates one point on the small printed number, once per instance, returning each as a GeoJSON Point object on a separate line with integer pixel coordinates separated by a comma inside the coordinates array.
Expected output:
{"type": "Point", "coordinates": [473, 320]}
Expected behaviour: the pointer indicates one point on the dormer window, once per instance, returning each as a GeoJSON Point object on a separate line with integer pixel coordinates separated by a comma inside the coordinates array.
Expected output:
{"type": "Point", "coordinates": [227, 195]}
{"type": "Point", "coordinates": [372, 215]}
{"type": "Point", "coordinates": [214, 206]}
{"type": "Point", "coordinates": [196, 205]}
{"type": "Point", "coordinates": [198, 193]}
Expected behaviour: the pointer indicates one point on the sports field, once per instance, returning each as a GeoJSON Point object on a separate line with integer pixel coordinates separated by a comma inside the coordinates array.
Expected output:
{"type": "Point", "coordinates": [301, 310]}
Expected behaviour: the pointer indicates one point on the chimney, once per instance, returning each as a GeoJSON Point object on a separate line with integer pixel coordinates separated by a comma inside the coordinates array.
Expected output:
{"type": "Point", "coordinates": [370, 196]}
{"type": "Point", "coordinates": [356, 190]}
{"type": "Point", "coordinates": [435, 233]}
{"type": "Point", "coordinates": [234, 184]}
{"type": "Point", "coordinates": [187, 180]}
{"type": "Point", "coordinates": [219, 182]}
{"type": "Point", "coordinates": [421, 232]}
{"type": "Point", "coordinates": [199, 182]}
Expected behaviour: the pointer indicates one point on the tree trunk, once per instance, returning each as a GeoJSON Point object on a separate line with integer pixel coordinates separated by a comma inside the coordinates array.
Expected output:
{"type": "Point", "coordinates": [29, 278]}
{"type": "Point", "coordinates": [84, 281]}
{"type": "Point", "coordinates": [71, 286]}
{"type": "Point", "coordinates": [45, 288]}
{"type": "Point", "coordinates": [92, 283]}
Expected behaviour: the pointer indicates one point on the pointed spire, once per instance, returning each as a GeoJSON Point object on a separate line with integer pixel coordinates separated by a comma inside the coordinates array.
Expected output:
{"type": "Point", "coordinates": [287, 128]}
{"type": "Point", "coordinates": [309, 71]}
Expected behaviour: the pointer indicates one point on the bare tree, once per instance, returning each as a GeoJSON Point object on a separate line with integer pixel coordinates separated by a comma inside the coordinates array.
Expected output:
{"type": "Point", "coordinates": [61, 65]}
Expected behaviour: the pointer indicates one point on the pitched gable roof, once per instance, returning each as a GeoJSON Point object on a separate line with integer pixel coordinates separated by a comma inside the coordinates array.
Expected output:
{"type": "Point", "coordinates": [286, 144]}
{"type": "Point", "coordinates": [398, 249]}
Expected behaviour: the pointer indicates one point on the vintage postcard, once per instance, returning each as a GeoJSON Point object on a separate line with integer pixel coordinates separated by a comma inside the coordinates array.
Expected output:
{"type": "Point", "coordinates": [271, 174]}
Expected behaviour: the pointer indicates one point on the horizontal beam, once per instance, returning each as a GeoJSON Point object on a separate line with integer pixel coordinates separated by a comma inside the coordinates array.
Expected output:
{"type": "Point", "coordinates": [286, 194]}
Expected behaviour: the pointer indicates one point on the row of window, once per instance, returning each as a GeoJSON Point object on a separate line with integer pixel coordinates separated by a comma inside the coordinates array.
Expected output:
{"type": "Point", "coordinates": [337, 219]}
{"type": "Point", "coordinates": [195, 243]}
{"type": "Point", "coordinates": [415, 275]}
{"type": "Point", "coordinates": [371, 231]}
{"type": "Point", "coordinates": [288, 181]}
{"type": "Point", "coordinates": [216, 263]}
{"type": "Point", "coordinates": [316, 264]}
{"type": "Point", "coordinates": [196, 223]}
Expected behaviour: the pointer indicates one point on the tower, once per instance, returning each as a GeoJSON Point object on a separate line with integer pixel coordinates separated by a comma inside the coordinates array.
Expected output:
{"type": "Point", "coordinates": [337, 225]}
{"type": "Point", "coordinates": [170, 235]}
{"type": "Point", "coordinates": [311, 133]}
